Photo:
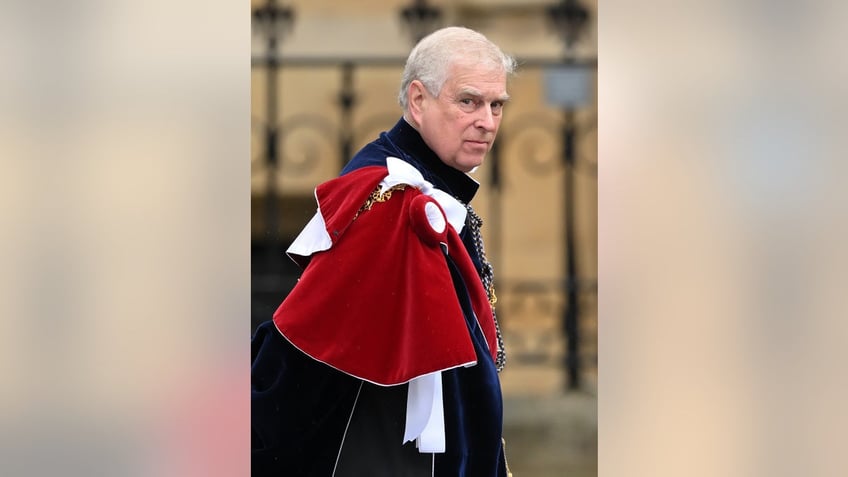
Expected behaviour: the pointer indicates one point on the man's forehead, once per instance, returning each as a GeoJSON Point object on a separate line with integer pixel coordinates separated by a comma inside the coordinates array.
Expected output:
{"type": "Point", "coordinates": [478, 82]}
{"type": "Point", "coordinates": [476, 72]}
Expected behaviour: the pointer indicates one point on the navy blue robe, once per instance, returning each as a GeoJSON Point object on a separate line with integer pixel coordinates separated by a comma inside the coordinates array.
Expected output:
{"type": "Point", "coordinates": [302, 410]}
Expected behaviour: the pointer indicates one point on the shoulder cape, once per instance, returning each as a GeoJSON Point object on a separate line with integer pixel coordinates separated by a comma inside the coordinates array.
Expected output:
{"type": "Point", "coordinates": [376, 300]}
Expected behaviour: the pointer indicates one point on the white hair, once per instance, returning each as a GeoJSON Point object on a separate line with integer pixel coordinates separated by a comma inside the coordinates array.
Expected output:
{"type": "Point", "coordinates": [430, 60]}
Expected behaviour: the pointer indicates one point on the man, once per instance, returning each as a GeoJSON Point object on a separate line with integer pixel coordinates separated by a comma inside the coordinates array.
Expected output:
{"type": "Point", "coordinates": [383, 360]}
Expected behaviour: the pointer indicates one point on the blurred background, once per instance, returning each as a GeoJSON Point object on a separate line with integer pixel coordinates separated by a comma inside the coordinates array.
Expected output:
{"type": "Point", "coordinates": [131, 148]}
{"type": "Point", "coordinates": [324, 82]}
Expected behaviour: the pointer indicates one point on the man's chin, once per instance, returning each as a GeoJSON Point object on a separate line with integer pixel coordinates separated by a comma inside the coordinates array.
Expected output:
{"type": "Point", "coordinates": [470, 164]}
{"type": "Point", "coordinates": [470, 167]}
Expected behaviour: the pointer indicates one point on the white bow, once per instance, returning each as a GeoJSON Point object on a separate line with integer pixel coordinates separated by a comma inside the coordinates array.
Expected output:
{"type": "Point", "coordinates": [401, 172]}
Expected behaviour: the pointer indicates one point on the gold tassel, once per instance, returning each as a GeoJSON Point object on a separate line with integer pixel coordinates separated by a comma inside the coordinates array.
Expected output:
{"type": "Point", "coordinates": [508, 472]}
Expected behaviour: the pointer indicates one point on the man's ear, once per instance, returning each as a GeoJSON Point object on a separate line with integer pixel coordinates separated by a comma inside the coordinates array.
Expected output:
{"type": "Point", "coordinates": [417, 97]}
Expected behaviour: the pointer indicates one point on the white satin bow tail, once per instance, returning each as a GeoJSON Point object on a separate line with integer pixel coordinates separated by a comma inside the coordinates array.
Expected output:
{"type": "Point", "coordinates": [425, 416]}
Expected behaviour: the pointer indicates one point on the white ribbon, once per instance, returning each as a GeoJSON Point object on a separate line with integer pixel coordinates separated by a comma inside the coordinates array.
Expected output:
{"type": "Point", "coordinates": [425, 415]}
{"type": "Point", "coordinates": [313, 238]}
{"type": "Point", "coordinates": [435, 217]}
{"type": "Point", "coordinates": [401, 172]}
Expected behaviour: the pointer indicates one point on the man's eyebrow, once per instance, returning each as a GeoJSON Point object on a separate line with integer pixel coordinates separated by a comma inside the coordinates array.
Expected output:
{"type": "Point", "coordinates": [470, 92]}
{"type": "Point", "coordinates": [477, 94]}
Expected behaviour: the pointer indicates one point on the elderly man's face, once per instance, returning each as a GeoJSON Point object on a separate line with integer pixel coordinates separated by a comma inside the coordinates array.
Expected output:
{"type": "Point", "coordinates": [460, 124]}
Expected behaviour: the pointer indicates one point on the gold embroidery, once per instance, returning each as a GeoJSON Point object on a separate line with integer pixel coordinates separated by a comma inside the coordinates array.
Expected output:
{"type": "Point", "coordinates": [377, 196]}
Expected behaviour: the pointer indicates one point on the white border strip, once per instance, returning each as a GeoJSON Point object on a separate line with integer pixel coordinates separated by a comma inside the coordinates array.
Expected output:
{"type": "Point", "coordinates": [350, 418]}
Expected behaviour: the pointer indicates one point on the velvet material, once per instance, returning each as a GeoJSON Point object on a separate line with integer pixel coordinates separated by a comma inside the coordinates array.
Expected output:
{"type": "Point", "coordinates": [340, 315]}
{"type": "Point", "coordinates": [340, 199]}
{"type": "Point", "coordinates": [372, 441]}
{"type": "Point", "coordinates": [473, 409]}
{"type": "Point", "coordinates": [301, 407]}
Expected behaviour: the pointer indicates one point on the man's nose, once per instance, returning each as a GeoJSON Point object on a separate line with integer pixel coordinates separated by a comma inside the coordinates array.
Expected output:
{"type": "Point", "coordinates": [486, 119]}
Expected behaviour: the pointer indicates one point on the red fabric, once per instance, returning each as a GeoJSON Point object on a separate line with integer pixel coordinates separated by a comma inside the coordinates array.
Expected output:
{"type": "Point", "coordinates": [380, 303]}
{"type": "Point", "coordinates": [339, 199]}
{"type": "Point", "coordinates": [420, 222]}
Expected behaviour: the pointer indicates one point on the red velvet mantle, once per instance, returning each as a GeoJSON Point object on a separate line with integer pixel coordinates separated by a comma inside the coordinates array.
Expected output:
{"type": "Point", "coordinates": [380, 304]}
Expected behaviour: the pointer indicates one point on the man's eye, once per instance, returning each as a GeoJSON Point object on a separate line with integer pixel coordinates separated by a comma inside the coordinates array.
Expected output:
{"type": "Point", "coordinates": [497, 106]}
{"type": "Point", "coordinates": [466, 101]}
